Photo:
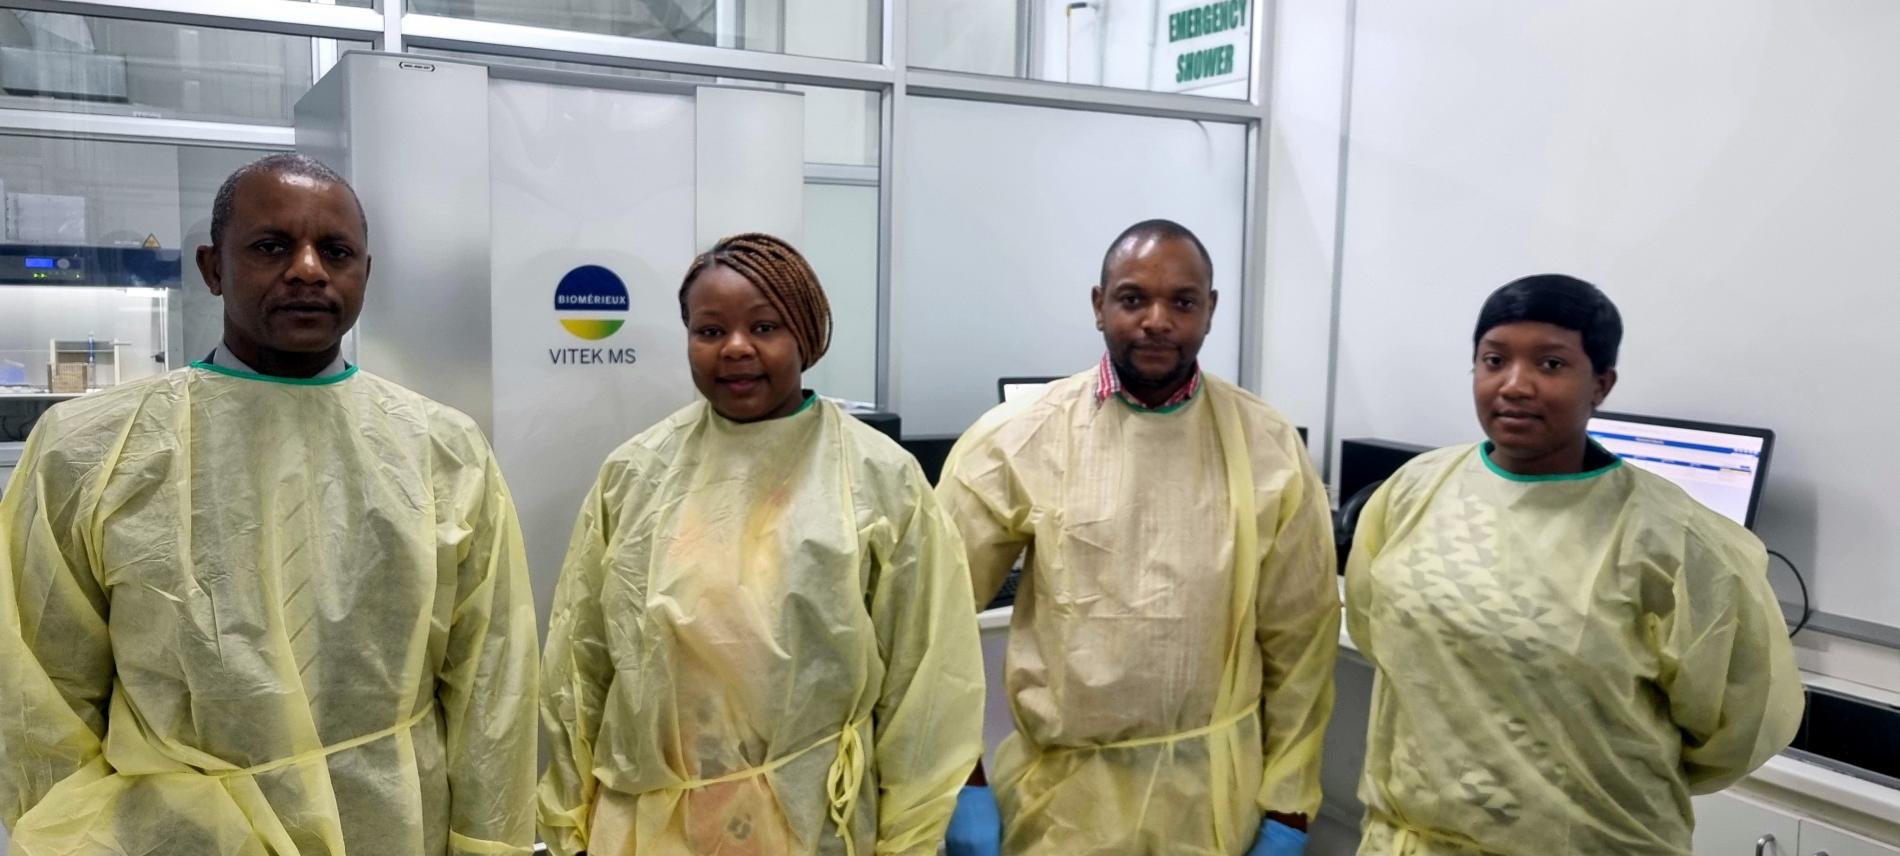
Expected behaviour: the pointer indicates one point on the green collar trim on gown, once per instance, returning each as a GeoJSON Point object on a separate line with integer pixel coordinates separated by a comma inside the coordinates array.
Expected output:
{"type": "Point", "coordinates": [811, 400]}
{"type": "Point", "coordinates": [324, 380]}
{"type": "Point", "coordinates": [1484, 451]}
{"type": "Point", "coordinates": [1138, 407]}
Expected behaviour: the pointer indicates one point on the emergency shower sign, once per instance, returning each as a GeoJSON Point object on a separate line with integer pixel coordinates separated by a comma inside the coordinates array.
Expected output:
{"type": "Point", "coordinates": [1202, 44]}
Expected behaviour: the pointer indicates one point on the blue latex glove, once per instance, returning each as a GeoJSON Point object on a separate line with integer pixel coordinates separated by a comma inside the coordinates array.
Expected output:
{"type": "Point", "coordinates": [976, 827]}
{"type": "Point", "coordinates": [1278, 839]}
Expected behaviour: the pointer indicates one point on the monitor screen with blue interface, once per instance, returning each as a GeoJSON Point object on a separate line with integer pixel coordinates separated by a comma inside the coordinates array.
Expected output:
{"type": "Point", "coordinates": [1721, 466]}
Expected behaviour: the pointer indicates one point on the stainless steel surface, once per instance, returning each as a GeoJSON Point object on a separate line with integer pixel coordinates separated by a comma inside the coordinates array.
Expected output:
{"type": "Point", "coordinates": [411, 134]}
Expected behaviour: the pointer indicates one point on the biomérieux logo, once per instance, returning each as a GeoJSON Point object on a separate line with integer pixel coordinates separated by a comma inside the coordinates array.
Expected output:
{"type": "Point", "coordinates": [591, 302]}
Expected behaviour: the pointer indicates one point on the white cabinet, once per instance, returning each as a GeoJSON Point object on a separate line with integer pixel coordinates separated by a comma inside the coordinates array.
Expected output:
{"type": "Point", "coordinates": [1819, 839]}
{"type": "Point", "coordinates": [1733, 825]}
{"type": "Point", "coordinates": [1730, 825]}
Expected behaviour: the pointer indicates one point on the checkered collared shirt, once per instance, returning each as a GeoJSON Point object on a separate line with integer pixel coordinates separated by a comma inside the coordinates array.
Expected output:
{"type": "Point", "coordinates": [1108, 383]}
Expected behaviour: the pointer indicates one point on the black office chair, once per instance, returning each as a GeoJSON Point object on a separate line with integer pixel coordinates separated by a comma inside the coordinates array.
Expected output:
{"type": "Point", "coordinates": [1346, 520]}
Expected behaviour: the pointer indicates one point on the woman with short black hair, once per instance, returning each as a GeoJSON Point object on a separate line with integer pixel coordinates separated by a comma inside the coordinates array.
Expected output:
{"type": "Point", "coordinates": [1566, 648]}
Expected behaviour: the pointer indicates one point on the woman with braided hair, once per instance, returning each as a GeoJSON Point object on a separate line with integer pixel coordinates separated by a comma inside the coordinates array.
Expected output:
{"type": "Point", "coordinates": [762, 641]}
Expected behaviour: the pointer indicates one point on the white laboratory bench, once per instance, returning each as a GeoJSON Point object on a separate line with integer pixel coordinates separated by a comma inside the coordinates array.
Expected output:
{"type": "Point", "coordinates": [1807, 808]}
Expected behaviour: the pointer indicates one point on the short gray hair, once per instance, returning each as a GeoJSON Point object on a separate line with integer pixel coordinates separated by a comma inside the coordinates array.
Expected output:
{"type": "Point", "coordinates": [283, 163]}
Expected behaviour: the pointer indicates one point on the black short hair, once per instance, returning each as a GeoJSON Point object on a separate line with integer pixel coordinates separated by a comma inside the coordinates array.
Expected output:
{"type": "Point", "coordinates": [1565, 301]}
{"type": "Point", "coordinates": [283, 163]}
{"type": "Point", "coordinates": [1159, 229]}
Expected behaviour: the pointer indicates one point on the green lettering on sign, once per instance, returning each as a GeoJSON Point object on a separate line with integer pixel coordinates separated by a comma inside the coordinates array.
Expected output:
{"type": "Point", "coordinates": [1207, 20]}
{"type": "Point", "coordinates": [1204, 63]}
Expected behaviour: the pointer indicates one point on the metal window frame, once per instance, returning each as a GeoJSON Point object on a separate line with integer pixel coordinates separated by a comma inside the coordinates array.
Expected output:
{"type": "Point", "coordinates": [1075, 96]}
{"type": "Point", "coordinates": [314, 20]}
{"type": "Point", "coordinates": [891, 116]}
{"type": "Point", "coordinates": [841, 174]}
{"type": "Point", "coordinates": [446, 33]}
{"type": "Point", "coordinates": [388, 26]}
{"type": "Point", "coordinates": [138, 129]}
{"type": "Point", "coordinates": [1253, 295]}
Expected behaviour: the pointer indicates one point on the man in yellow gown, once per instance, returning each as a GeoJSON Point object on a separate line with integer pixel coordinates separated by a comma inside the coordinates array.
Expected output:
{"type": "Point", "coordinates": [267, 604]}
{"type": "Point", "coordinates": [1171, 651]}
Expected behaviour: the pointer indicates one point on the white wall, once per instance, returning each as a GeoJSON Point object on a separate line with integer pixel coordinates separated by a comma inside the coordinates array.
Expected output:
{"type": "Point", "coordinates": [1724, 169]}
{"type": "Point", "coordinates": [841, 125]}
{"type": "Point", "coordinates": [1303, 159]}
{"type": "Point", "coordinates": [1004, 215]}
{"type": "Point", "coordinates": [841, 29]}
{"type": "Point", "coordinates": [841, 244]}
{"type": "Point", "coordinates": [748, 179]}
{"type": "Point", "coordinates": [975, 36]}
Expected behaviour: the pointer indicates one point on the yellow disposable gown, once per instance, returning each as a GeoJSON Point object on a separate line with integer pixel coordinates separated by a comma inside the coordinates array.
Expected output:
{"type": "Point", "coordinates": [1171, 652]}
{"type": "Point", "coordinates": [249, 616]}
{"type": "Point", "coordinates": [1561, 661]}
{"type": "Point", "coordinates": [761, 645]}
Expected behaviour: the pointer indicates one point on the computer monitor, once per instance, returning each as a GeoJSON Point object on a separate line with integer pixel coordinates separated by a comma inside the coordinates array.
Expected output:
{"type": "Point", "coordinates": [1722, 466]}
{"type": "Point", "coordinates": [1010, 389]}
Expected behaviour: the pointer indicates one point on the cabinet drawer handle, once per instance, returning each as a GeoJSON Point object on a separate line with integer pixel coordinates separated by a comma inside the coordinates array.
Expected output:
{"type": "Point", "coordinates": [1761, 844]}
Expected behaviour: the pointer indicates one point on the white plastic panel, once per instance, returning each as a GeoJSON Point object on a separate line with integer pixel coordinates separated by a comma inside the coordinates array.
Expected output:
{"type": "Point", "coordinates": [583, 177]}
{"type": "Point", "coordinates": [1005, 213]}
